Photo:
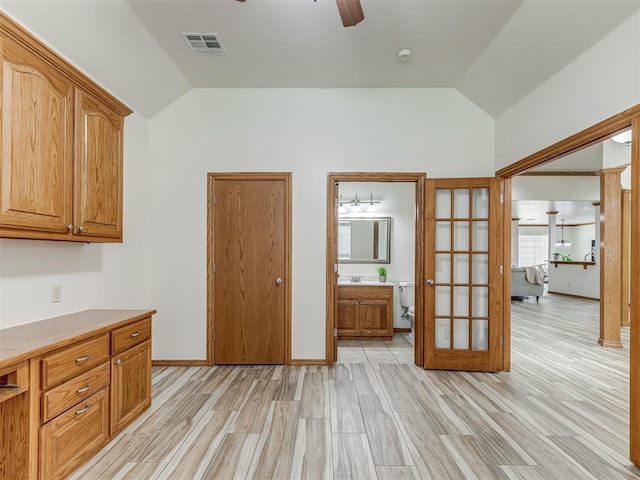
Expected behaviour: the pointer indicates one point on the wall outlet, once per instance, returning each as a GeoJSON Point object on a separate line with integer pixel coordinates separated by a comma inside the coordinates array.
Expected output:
{"type": "Point", "coordinates": [56, 294]}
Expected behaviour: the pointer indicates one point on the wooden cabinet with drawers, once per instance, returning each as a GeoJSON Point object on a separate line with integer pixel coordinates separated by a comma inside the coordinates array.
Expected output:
{"type": "Point", "coordinates": [62, 136]}
{"type": "Point", "coordinates": [365, 311]}
{"type": "Point", "coordinates": [73, 393]}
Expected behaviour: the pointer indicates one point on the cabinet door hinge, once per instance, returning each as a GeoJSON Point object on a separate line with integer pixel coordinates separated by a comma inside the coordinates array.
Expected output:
{"type": "Point", "coordinates": [214, 268]}
{"type": "Point", "coordinates": [501, 198]}
{"type": "Point", "coordinates": [214, 200]}
{"type": "Point", "coordinates": [501, 270]}
{"type": "Point", "coordinates": [501, 340]}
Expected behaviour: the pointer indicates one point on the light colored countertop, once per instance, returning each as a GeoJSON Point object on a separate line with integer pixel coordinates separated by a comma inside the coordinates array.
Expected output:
{"type": "Point", "coordinates": [365, 283]}
{"type": "Point", "coordinates": [33, 339]}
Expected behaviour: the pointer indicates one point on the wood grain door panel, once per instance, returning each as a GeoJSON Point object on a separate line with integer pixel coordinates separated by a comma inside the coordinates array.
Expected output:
{"type": "Point", "coordinates": [374, 316]}
{"type": "Point", "coordinates": [36, 169]}
{"type": "Point", "coordinates": [249, 306]}
{"type": "Point", "coordinates": [98, 198]}
{"type": "Point", "coordinates": [347, 317]}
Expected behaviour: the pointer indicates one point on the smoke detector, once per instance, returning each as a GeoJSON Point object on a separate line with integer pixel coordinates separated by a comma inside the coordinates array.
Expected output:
{"type": "Point", "coordinates": [404, 55]}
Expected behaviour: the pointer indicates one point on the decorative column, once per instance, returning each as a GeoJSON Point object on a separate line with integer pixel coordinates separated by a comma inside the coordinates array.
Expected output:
{"type": "Point", "coordinates": [610, 257]}
{"type": "Point", "coordinates": [515, 241]}
{"type": "Point", "coordinates": [626, 258]}
{"type": "Point", "coordinates": [552, 233]}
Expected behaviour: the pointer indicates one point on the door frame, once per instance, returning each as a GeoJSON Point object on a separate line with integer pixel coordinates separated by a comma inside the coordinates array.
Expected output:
{"type": "Point", "coordinates": [334, 178]}
{"type": "Point", "coordinates": [599, 132]}
{"type": "Point", "coordinates": [286, 177]}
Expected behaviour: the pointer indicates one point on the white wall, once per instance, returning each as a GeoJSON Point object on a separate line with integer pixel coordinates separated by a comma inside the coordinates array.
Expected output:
{"type": "Point", "coordinates": [310, 133]}
{"type": "Point", "coordinates": [91, 275]}
{"type": "Point", "coordinates": [398, 202]}
{"type": "Point", "coordinates": [602, 82]}
{"type": "Point", "coordinates": [575, 280]}
{"type": "Point", "coordinates": [556, 188]}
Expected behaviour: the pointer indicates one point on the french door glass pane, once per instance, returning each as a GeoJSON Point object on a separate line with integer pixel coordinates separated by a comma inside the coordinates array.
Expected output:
{"type": "Point", "coordinates": [443, 235]}
{"type": "Point", "coordinates": [480, 236]}
{"type": "Point", "coordinates": [461, 203]}
{"type": "Point", "coordinates": [461, 333]}
{"type": "Point", "coordinates": [461, 236]}
{"type": "Point", "coordinates": [443, 301]}
{"type": "Point", "coordinates": [443, 203]}
{"type": "Point", "coordinates": [480, 268]}
{"type": "Point", "coordinates": [480, 203]}
{"type": "Point", "coordinates": [461, 268]}
{"type": "Point", "coordinates": [443, 268]}
{"type": "Point", "coordinates": [480, 334]}
{"type": "Point", "coordinates": [443, 331]}
{"type": "Point", "coordinates": [461, 301]}
{"type": "Point", "coordinates": [480, 301]}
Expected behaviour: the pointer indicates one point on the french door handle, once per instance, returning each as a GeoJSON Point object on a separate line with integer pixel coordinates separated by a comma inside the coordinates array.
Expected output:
{"type": "Point", "coordinates": [430, 282]}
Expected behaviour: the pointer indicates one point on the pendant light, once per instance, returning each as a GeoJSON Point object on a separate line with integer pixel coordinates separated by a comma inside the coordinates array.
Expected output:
{"type": "Point", "coordinates": [563, 242]}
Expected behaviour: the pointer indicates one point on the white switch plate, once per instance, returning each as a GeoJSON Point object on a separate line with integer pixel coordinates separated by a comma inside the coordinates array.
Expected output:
{"type": "Point", "coordinates": [56, 294]}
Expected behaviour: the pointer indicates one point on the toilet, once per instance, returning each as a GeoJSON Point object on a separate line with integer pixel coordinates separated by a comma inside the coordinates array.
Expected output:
{"type": "Point", "coordinates": [407, 303]}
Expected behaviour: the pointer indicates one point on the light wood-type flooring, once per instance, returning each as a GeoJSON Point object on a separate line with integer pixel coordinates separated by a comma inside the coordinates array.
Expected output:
{"type": "Point", "coordinates": [562, 413]}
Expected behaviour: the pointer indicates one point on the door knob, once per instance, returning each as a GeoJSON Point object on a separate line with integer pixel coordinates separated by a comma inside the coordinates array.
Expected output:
{"type": "Point", "coordinates": [278, 281]}
{"type": "Point", "coordinates": [430, 282]}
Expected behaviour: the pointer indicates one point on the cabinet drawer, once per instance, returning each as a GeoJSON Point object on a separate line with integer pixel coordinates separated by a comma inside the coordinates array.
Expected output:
{"type": "Point", "coordinates": [126, 337]}
{"type": "Point", "coordinates": [346, 292]}
{"type": "Point", "coordinates": [59, 399]}
{"type": "Point", "coordinates": [73, 360]}
{"type": "Point", "coordinates": [71, 438]}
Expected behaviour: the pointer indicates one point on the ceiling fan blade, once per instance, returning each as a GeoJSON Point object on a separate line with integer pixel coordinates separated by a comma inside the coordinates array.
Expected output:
{"type": "Point", "coordinates": [350, 12]}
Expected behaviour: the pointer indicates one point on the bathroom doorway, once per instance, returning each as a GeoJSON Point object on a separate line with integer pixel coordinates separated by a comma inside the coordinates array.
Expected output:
{"type": "Point", "coordinates": [375, 220]}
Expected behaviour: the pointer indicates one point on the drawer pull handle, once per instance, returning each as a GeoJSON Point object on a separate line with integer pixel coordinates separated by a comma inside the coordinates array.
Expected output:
{"type": "Point", "coordinates": [135, 334]}
{"type": "Point", "coordinates": [13, 386]}
{"type": "Point", "coordinates": [84, 389]}
{"type": "Point", "coordinates": [82, 410]}
{"type": "Point", "coordinates": [83, 359]}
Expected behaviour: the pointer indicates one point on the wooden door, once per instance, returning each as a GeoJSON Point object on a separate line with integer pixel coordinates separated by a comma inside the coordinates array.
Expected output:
{"type": "Point", "coordinates": [463, 300]}
{"type": "Point", "coordinates": [98, 189]}
{"type": "Point", "coordinates": [251, 281]}
{"type": "Point", "coordinates": [37, 143]}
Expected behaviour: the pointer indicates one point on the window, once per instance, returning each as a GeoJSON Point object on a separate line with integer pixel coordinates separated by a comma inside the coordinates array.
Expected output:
{"type": "Point", "coordinates": [533, 249]}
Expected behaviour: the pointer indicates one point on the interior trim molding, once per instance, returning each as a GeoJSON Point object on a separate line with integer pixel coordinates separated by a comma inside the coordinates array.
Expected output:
{"type": "Point", "coordinates": [308, 362]}
{"type": "Point", "coordinates": [587, 137]}
{"type": "Point", "coordinates": [179, 363]}
{"type": "Point", "coordinates": [576, 173]}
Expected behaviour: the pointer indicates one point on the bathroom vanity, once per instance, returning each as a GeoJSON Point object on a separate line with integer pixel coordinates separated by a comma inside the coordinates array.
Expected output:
{"type": "Point", "coordinates": [365, 310]}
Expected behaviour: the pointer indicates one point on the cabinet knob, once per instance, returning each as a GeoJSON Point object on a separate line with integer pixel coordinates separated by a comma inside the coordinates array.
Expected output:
{"type": "Point", "coordinates": [70, 226]}
{"type": "Point", "coordinates": [118, 362]}
{"type": "Point", "coordinates": [81, 229]}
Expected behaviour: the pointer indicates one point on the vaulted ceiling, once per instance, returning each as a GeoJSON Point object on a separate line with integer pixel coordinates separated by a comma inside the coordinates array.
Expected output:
{"type": "Point", "coordinates": [493, 51]}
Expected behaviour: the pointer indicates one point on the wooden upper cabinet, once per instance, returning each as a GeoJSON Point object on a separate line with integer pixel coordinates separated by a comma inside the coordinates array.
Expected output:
{"type": "Point", "coordinates": [37, 148]}
{"type": "Point", "coordinates": [98, 199]}
{"type": "Point", "coordinates": [61, 152]}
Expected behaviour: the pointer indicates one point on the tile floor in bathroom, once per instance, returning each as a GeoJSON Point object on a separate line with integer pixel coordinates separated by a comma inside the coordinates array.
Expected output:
{"type": "Point", "coordinates": [398, 350]}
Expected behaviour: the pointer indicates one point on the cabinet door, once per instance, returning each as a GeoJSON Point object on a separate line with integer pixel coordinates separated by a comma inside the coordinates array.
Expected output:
{"type": "Point", "coordinates": [347, 324]}
{"type": "Point", "coordinates": [98, 188]}
{"type": "Point", "coordinates": [375, 317]}
{"type": "Point", "coordinates": [130, 385]}
{"type": "Point", "coordinates": [37, 144]}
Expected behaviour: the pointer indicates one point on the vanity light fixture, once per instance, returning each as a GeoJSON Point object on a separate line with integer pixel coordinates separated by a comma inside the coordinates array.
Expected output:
{"type": "Point", "coordinates": [341, 207]}
{"type": "Point", "coordinates": [563, 242]}
{"type": "Point", "coordinates": [371, 206]}
{"type": "Point", "coordinates": [355, 205]}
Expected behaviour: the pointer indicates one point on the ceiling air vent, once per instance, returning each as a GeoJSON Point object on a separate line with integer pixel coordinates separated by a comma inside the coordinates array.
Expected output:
{"type": "Point", "coordinates": [204, 43]}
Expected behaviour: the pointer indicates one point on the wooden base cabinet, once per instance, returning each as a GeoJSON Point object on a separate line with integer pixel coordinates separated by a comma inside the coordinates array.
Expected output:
{"type": "Point", "coordinates": [70, 384]}
{"type": "Point", "coordinates": [365, 311]}
{"type": "Point", "coordinates": [71, 438]}
{"type": "Point", "coordinates": [131, 385]}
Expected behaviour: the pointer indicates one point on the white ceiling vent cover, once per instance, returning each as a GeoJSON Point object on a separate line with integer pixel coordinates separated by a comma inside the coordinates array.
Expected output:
{"type": "Point", "coordinates": [204, 43]}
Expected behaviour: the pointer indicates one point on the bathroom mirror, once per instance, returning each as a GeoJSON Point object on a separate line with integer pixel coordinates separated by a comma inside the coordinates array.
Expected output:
{"type": "Point", "coordinates": [364, 240]}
